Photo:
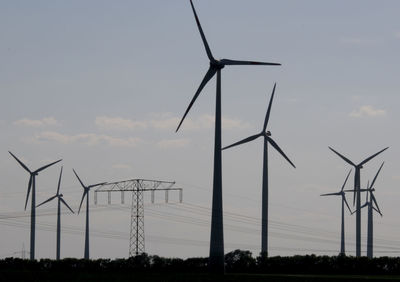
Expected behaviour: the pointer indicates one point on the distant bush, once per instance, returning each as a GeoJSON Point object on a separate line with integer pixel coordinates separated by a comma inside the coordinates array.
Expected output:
{"type": "Point", "coordinates": [237, 261]}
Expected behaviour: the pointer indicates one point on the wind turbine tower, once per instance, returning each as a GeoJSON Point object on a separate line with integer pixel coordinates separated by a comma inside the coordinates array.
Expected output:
{"type": "Point", "coordinates": [217, 238]}
{"type": "Point", "coordinates": [267, 139]}
{"type": "Point", "coordinates": [60, 200]}
{"type": "Point", "coordinates": [372, 205]}
{"type": "Point", "coordinates": [371, 208]}
{"type": "Point", "coordinates": [32, 185]}
{"type": "Point", "coordinates": [344, 201]}
{"type": "Point", "coordinates": [86, 190]}
{"type": "Point", "coordinates": [357, 190]}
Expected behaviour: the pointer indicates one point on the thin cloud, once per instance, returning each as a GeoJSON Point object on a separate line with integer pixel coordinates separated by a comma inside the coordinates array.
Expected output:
{"type": "Point", "coordinates": [121, 166]}
{"type": "Point", "coordinates": [205, 121]}
{"type": "Point", "coordinates": [167, 121]}
{"type": "Point", "coordinates": [89, 139]}
{"type": "Point", "coordinates": [352, 40]}
{"type": "Point", "coordinates": [367, 111]}
{"type": "Point", "coordinates": [47, 121]}
{"type": "Point", "coordinates": [230, 123]}
{"type": "Point", "coordinates": [396, 177]}
{"type": "Point", "coordinates": [118, 123]}
{"type": "Point", "coordinates": [173, 143]}
{"type": "Point", "coordinates": [292, 100]}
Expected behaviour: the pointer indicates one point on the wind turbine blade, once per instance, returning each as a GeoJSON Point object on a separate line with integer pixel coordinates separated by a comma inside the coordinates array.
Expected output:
{"type": "Point", "coordinates": [272, 142]}
{"type": "Point", "coordinates": [21, 163]}
{"type": "Point", "coordinates": [373, 156]}
{"type": "Point", "coordinates": [48, 200]}
{"type": "Point", "coordinates": [210, 73]}
{"type": "Point", "coordinates": [347, 177]}
{"type": "Point", "coordinates": [46, 166]}
{"type": "Point", "coordinates": [343, 157]}
{"type": "Point", "coordinates": [83, 196]}
{"type": "Point", "coordinates": [59, 181]}
{"type": "Point", "coordinates": [29, 190]}
{"type": "Point", "coordinates": [269, 108]}
{"type": "Point", "coordinates": [373, 181]}
{"type": "Point", "coordinates": [375, 202]}
{"type": "Point", "coordinates": [65, 203]}
{"type": "Point", "coordinates": [84, 187]}
{"type": "Point", "coordinates": [377, 211]}
{"type": "Point", "coordinates": [352, 191]}
{"type": "Point", "coordinates": [331, 194]}
{"type": "Point", "coordinates": [363, 206]}
{"type": "Point", "coordinates": [347, 204]}
{"type": "Point", "coordinates": [98, 184]}
{"type": "Point", "coordinates": [248, 139]}
{"type": "Point", "coordinates": [228, 62]}
{"type": "Point", "coordinates": [203, 37]}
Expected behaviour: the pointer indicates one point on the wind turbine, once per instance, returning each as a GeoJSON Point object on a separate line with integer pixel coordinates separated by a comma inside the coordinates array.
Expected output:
{"type": "Point", "coordinates": [217, 237]}
{"type": "Point", "coordinates": [344, 201]}
{"type": "Point", "coordinates": [267, 139]}
{"type": "Point", "coordinates": [60, 200]}
{"type": "Point", "coordinates": [357, 184]}
{"type": "Point", "coordinates": [32, 185]}
{"type": "Point", "coordinates": [370, 204]}
{"type": "Point", "coordinates": [86, 190]}
{"type": "Point", "coordinates": [371, 208]}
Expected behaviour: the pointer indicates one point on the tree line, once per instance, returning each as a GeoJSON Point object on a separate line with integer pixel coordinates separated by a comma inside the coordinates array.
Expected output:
{"type": "Point", "coordinates": [237, 261]}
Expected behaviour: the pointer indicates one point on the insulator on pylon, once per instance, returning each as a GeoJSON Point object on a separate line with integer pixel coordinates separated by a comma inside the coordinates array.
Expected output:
{"type": "Point", "coordinates": [95, 197]}
{"type": "Point", "coordinates": [152, 196]}
{"type": "Point", "coordinates": [109, 197]}
{"type": "Point", "coordinates": [166, 196]}
{"type": "Point", "coordinates": [180, 196]}
{"type": "Point", "coordinates": [122, 197]}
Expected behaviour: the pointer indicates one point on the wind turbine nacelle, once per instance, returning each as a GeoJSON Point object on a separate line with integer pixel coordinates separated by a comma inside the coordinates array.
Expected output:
{"type": "Point", "coordinates": [217, 64]}
{"type": "Point", "coordinates": [269, 133]}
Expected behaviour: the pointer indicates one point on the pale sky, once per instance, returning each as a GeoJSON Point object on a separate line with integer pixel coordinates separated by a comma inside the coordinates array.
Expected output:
{"type": "Point", "coordinates": [103, 85]}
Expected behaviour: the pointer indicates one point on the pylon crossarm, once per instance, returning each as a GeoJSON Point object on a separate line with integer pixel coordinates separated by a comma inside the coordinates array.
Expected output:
{"type": "Point", "coordinates": [134, 184]}
{"type": "Point", "coordinates": [137, 187]}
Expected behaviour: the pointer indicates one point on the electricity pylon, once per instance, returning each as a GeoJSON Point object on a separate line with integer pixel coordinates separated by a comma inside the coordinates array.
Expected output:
{"type": "Point", "coordinates": [138, 187]}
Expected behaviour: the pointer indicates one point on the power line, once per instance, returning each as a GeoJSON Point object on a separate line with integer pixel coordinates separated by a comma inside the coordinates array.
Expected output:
{"type": "Point", "coordinates": [279, 229]}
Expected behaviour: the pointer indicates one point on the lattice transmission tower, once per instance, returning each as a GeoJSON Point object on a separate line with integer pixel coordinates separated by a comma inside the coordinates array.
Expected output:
{"type": "Point", "coordinates": [137, 187]}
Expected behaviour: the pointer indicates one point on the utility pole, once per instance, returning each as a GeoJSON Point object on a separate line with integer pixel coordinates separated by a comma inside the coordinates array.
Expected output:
{"type": "Point", "coordinates": [137, 187]}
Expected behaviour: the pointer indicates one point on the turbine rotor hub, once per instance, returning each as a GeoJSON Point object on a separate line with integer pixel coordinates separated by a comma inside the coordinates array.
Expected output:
{"type": "Point", "coordinates": [217, 64]}
{"type": "Point", "coordinates": [269, 133]}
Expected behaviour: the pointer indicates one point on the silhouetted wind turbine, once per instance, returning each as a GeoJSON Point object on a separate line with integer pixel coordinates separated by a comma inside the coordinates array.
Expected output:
{"type": "Point", "coordinates": [217, 237]}
{"type": "Point", "coordinates": [344, 201]}
{"type": "Point", "coordinates": [32, 184]}
{"type": "Point", "coordinates": [267, 139]}
{"type": "Point", "coordinates": [86, 190]}
{"type": "Point", "coordinates": [60, 200]}
{"type": "Point", "coordinates": [357, 184]}
{"type": "Point", "coordinates": [370, 204]}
